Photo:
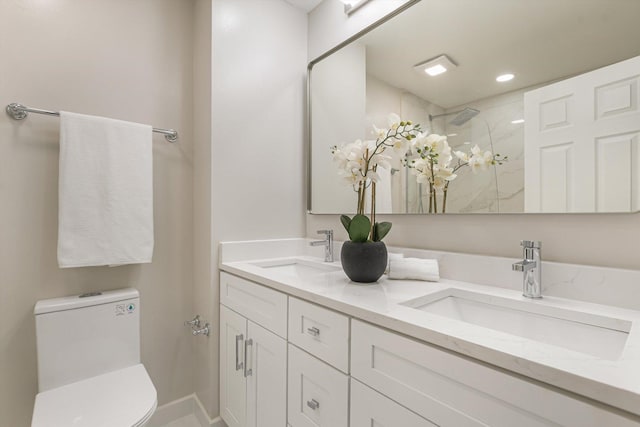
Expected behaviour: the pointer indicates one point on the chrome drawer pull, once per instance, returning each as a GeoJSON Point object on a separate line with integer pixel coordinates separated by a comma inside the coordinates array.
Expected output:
{"type": "Point", "coordinates": [313, 404]}
{"type": "Point", "coordinates": [239, 339]}
{"type": "Point", "coordinates": [313, 331]}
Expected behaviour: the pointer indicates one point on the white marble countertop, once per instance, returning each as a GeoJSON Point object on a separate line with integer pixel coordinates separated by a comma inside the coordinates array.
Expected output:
{"type": "Point", "coordinates": [614, 382]}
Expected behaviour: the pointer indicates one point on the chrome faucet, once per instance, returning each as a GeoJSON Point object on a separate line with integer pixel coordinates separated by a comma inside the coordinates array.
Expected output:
{"type": "Point", "coordinates": [531, 266]}
{"type": "Point", "coordinates": [327, 243]}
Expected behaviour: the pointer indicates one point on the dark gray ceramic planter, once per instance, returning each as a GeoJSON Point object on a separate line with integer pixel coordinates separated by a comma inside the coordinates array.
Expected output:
{"type": "Point", "coordinates": [363, 262]}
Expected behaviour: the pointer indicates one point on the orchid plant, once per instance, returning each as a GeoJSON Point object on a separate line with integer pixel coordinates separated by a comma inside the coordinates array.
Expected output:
{"type": "Point", "coordinates": [358, 163]}
{"type": "Point", "coordinates": [430, 160]}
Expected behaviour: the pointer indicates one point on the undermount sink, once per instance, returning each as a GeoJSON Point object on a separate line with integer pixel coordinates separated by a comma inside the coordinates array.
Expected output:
{"type": "Point", "coordinates": [592, 334]}
{"type": "Point", "coordinates": [297, 267]}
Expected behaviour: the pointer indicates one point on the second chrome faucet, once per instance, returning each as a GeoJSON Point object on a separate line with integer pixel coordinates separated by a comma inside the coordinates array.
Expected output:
{"type": "Point", "coordinates": [531, 267]}
{"type": "Point", "coordinates": [327, 243]}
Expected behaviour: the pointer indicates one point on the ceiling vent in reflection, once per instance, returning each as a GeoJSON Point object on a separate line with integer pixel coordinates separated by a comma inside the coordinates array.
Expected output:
{"type": "Point", "coordinates": [436, 66]}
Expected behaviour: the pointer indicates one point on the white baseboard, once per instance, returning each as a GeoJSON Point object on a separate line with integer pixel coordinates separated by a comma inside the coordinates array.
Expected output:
{"type": "Point", "coordinates": [180, 408]}
{"type": "Point", "coordinates": [203, 417]}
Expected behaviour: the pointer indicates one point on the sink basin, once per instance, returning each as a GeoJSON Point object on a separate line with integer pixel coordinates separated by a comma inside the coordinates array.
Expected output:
{"type": "Point", "coordinates": [592, 334]}
{"type": "Point", "coordinates": [297, 267]}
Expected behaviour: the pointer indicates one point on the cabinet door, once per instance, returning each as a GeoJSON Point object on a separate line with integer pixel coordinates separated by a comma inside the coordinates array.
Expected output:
{"type": "Point", "coordinates": [233, 394]}
{"type": "Point", "coordinates": [266, 372]}
{"type": "Point", "coordinates": [370, 408]}
{"type": "Point", "coordinates": [318, 393]}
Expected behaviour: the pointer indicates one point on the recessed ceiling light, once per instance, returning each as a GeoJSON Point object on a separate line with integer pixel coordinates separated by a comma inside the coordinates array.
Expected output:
{"type": "Point", "coordinates": [504, 77]}
{"type": "Point", "coordinates": [452, 134]}
{"type": "Point", "coordinates": [467, 143]}
{"type": "Point", "coordinates": [435, 70]}
{"type": "Point", "coordinates": [435, 66]}
{"type": "Point", "coordinates": [517, 121]}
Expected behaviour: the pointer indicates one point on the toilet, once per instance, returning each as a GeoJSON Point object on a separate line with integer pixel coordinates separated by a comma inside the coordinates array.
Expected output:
{"type": "Point", "coordinates": [89, 370]}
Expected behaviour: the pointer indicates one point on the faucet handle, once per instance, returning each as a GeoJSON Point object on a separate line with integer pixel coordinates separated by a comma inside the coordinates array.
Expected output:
{"type": "Point", "coordinates": [531, 244]}
{"type": "Point", "coordinates": [327, 232]}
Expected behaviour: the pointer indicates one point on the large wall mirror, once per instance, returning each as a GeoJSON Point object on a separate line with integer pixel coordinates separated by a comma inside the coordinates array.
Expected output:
{"type": "Point", "coordinates": [567, 120]}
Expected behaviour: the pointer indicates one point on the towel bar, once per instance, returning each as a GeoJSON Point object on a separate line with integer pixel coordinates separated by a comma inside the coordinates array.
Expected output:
{"type": "Point", "coordinates": [19, 112]}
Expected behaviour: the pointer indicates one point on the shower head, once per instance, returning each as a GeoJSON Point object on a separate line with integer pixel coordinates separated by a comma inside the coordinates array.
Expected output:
{"type": "Point", "coordinates": [462, 116]}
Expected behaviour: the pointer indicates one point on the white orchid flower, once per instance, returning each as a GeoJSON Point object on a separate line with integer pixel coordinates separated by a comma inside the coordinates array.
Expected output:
{"type": "Point", "coordinates": [394, 121]}
{"type": "Point", "coordinates": [379, 133]}
{"type": "Point", "coordinates": [423, 178]}
{"type": "Point", "coordinates": [381, 161]}
{"type": "Point", "coordinates": [480, 161]}
{"type": "Point", "coordinates": [436, 142]}
{"type": "Point", "coordinates": [445, 157]}
{"type": "Point", "coordinates": [373, 176]}
{"type": "Point", "coordinates": [400, 145]}
{"type": "Point", "coordinates": [461, 155]}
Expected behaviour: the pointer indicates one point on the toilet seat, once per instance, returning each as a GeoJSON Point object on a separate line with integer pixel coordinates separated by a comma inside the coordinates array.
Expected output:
{"type": "Point", "coordinates": [123, 398]}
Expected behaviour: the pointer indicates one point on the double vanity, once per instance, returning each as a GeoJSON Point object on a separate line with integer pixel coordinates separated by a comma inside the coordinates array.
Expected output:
{"type": "Point", "coordinates": [301, 345]}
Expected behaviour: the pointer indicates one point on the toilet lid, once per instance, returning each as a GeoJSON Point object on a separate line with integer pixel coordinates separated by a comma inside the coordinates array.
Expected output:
{"type": "Point", "coordinates": [123, 398]}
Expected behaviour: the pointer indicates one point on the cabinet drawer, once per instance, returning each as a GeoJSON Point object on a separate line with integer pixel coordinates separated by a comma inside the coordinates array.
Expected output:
{"type": "Point", "coordinates": [451, 390]}
{"type": "Point", "coordinates": [323, 333]}
{"type": "Point", "coordinates": [370, 408]}
{"type": "Point", "coordinates": [266, 307]}
{"type": "Point", "coordinates": [318, 393]}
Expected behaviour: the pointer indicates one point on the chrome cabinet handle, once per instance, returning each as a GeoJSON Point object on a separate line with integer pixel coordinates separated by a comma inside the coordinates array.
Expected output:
{"type": "Point", "coordinates": [247, 371]}
{"type": "Point", "coordinates": [313, 404]}
{"type": "Point", "coordinates": [313, 331]}
{"type": "Point", "coordinates": [239, 339]}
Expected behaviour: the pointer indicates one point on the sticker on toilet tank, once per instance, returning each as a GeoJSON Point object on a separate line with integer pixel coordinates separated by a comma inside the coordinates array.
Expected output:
{"type": "Point", "coordinates": [122, 309]}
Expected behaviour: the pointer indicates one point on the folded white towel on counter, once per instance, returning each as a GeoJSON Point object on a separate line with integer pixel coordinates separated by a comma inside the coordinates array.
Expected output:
{"type": "Point", "coordinates": [105, 189]}
{"type": "Point", "coordinates": [391, 256]}
{"type": "Point", "coordinates": [414, 269]}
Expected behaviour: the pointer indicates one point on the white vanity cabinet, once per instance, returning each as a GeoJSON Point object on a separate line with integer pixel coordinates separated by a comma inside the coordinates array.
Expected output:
{"type": "Point", "coordinates": [287, 362]}
{"type": "Point", "coordinates": [253, 359]}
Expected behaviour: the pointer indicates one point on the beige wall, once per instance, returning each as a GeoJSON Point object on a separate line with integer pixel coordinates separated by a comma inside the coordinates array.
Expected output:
{"type": "Point", "coordinates": [117, 58]}
{"type": "Point", "coordinates": [257, 154]}
{"type": "Point", "coordinates": [205, 370]}
{"type": "Point", "coordinates": [602, 239]}
{"type": "Point", "coordinates": [609, 240]}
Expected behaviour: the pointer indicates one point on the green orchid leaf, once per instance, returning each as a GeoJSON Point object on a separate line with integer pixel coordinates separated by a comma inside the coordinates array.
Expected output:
{"type": "Point", "coordinates": [380, 230]}
{"type": "Point", "coordinates": [359, 228]}
{"type": "Point", "coordinates": [345, 220]}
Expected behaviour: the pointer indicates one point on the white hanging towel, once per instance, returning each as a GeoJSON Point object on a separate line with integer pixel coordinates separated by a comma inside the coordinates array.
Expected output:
{"type": "Point", "coordinates": [105, 213]}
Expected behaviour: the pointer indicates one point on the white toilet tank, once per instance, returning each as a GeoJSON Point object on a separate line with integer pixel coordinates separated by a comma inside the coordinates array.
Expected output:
{"type": "Point", "coordinates": [86, 335]}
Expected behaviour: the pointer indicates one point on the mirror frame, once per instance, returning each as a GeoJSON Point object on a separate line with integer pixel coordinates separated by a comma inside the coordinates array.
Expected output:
{"type": "Point", "coordinates": [308, 145]}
